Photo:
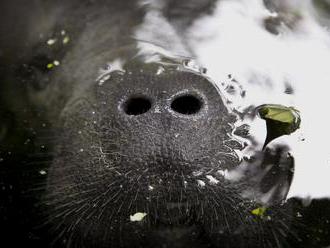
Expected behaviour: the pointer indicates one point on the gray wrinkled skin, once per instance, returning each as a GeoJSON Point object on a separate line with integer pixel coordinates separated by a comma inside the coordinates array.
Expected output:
{"type": "Point", "coordinates": [110, 165]}
{"type": "Point", "coordinates": [117, 157]}
{"type": "Point", "coordinates": [106, 164]}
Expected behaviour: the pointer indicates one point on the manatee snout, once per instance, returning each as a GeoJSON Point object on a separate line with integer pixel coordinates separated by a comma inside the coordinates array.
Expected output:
{"type": "Point", "coordinates": [144, 159]}
{"type": "Point", "coordinates": [141, 143]}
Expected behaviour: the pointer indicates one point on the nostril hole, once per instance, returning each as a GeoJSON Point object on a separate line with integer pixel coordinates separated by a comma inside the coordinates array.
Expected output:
{"type": "Point", "coordinates": [137, 106]}
{"type": "Point", "coordinates": [186, 104]}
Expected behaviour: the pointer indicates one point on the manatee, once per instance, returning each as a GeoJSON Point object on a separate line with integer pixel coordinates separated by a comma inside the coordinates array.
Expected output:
{"type": "Point", "coordinates": [104, 145]}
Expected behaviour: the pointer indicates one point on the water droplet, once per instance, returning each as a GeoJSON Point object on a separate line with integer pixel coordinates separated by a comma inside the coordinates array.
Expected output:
{"type": "Point", "coordinates": [192, 65]}
{"type": "Point", "coordinates": [160, 70]}
{"type": "Point", "coordinates": [107, 67]}
{"type": "Point", "coordinates": [200, 183]}
{"type": "Point", "coordinates": [157, 109]}
{"type": "Point", "coordinates": [56, 63]}
{"type": "Point", "coordinates": [212, 180]}
{"type": "Point", "coordinates": [203, 70]}
{"type": "Point", "coordinates": [103, 79]}
{"type": "Point", "coordinates": [51, 42]}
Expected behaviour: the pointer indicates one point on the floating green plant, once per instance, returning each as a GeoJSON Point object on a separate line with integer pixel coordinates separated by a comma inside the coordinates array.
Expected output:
{"type": "Point", "coordinates": [280, 120]}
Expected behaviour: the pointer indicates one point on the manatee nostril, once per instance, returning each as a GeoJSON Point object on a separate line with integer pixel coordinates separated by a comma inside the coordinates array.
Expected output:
{"type": "Point", "coordinates": [137, 105]}
{"type": "Point", "coordinates": [186, 104]}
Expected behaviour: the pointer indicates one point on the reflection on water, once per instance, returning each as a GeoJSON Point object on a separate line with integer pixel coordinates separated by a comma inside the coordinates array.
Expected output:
{"type": "Point", "coordinates": [290, 67]}
{"type": "Point", "coordinates": [267, 60]}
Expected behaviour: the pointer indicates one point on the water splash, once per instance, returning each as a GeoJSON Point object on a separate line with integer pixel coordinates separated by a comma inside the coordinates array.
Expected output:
{"type": "Point", "coordinates": [105, 72]}
{"type": "Point", "coordinates": [235, 40]}
{"type": "Point", "coordinates": [258, 52]}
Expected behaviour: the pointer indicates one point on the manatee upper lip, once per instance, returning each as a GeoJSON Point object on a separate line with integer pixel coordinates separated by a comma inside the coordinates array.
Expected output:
{"type": "Point", "coordinates": [172, 205]}
{"type": "Point", "coordinates": [174, 213]}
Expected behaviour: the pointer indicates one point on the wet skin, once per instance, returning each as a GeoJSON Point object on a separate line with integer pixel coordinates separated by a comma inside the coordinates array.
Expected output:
{"type": "Point", "coordinates": [82, 154]}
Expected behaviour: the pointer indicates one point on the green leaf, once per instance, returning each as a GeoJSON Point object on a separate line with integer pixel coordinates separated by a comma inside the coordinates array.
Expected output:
{"type": "Point", "coordinates": [279, 113]}
{"type": "Point", "coordinates": [259, 211]}
{"type": "Point", "coordinates": [50, 66]}
{"type": "Point", "coordinates": [280, 120]}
